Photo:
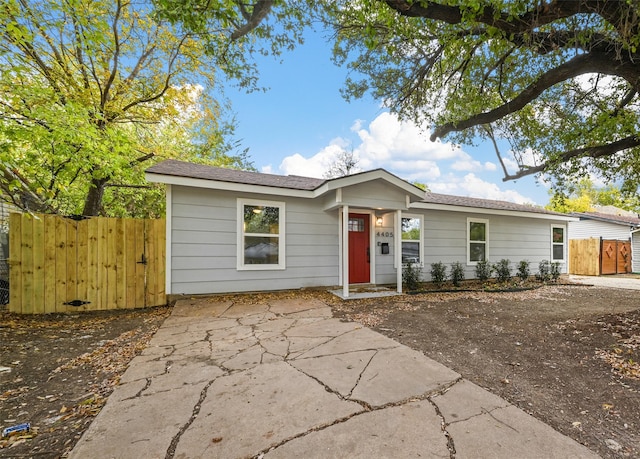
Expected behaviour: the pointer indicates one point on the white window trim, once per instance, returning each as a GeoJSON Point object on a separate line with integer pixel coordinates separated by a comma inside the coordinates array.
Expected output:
{"type": "Point", "coordinates": [241, 202]}
{"type": "Point", "coordinates": [564, 244]}
{"type": "Point", "coordinates": [486, 242]}
{"type": "Point", "coordinates": [421, 240]}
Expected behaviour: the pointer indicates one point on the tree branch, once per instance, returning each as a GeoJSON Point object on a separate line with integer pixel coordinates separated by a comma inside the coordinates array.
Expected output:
{"type": "Point", "coordinates": [260, 11]}
{"type": "Point", "coordinates": [579, 65]}
{"type": "Point", "coordinates": [594, 152]}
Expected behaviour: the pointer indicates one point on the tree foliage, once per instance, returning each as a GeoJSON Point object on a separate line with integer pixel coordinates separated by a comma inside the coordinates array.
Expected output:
{"type": "Point", "coordinates": [559, 80]}
{"type": "Point", "coordinates": [345, 163]}
{"type": "Point", "coordinates": [584, 196]}
{"type": "Point", "coordinates": [91, 93]}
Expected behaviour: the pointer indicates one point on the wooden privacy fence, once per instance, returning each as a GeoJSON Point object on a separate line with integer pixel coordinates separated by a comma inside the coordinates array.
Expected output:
{"type": "Point", "coordinates": [59, 264]}
{"type": "Point", "coordinates": [584, 257]}
{"type": "Point", "coordinates": [595, 256]}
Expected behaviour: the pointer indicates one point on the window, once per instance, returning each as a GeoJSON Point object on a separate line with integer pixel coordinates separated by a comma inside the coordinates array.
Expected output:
{"type": "Point", "coordinates": [261, 235]}
{"type": "Point", "coordinates": [412, 239]}
{"type": "Point", "coordinates": [477, 240]}
{"type": "Point", "coordinates": [356, 224]}
{"type": "Point", "coordinates": [557, 243]}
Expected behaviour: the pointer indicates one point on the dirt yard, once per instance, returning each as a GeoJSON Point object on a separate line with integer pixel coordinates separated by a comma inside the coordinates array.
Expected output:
{"type": "Point", "coordinates": [568, 355]}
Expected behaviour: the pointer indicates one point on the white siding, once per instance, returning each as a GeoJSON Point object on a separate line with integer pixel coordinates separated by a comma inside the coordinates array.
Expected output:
{"type": "Point", "coordinates": [512, 238]}
{"type": "Point", "coordinates": [584, 229]}
{"type": "Point", "coordinates": [635, 252]}
{"type": "Point", "coordinates": [204, 239]}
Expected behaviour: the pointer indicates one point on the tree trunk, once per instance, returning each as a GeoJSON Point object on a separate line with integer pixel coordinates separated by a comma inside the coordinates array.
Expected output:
{"type": "Point", "coordinates": [93, 201]}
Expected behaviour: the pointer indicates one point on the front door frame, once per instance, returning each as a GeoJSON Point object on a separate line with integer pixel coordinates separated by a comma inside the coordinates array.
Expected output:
{"type": "Point", "coordinates": [344, 242]}
{"type": "Point", "coordinates": [364, 256]}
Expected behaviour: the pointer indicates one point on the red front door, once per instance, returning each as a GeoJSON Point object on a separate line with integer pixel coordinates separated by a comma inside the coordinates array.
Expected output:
{"type": "Point", "coordinates": [359, 255]}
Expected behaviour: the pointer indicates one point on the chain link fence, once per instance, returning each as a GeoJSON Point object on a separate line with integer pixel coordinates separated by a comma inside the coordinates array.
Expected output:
{"type": "Point", "coordinates": [5, 210]}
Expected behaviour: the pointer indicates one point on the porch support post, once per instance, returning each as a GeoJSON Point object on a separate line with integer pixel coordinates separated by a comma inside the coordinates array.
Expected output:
{"type": "Point", "coordinates": [345, 251]}
{"type": "Point", "coordinates": [398, 249]}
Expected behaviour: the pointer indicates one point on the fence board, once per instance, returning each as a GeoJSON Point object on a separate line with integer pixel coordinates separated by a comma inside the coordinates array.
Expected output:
{"type": "Point", "coordinates": [93, 287]}
{"type": "Point", "coordinates": [61, 265]}
{"type": "Point", "coordinates": [54, 260]}
{"type": "Point", "coordinates": [584, 257]}
{"type": "Point", "coordinates": [49, 250]}
{"type": "Point", "coordinates": [82, 251]}
{"type": "Point", "coordinates": [38, 266]}
{"type": "Point", "coordinates": [26, 252]}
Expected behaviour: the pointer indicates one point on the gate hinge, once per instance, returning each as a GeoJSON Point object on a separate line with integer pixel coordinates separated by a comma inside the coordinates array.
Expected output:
{"type": "Point", "coordinates": [143, 260]}
{"type": "Point", "coordinates": [77, 303]}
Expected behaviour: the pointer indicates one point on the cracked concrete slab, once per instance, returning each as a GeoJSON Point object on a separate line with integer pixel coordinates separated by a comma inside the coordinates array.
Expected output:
{"type": "Point", "coordinates": [399, 374]}
{"type": "Point", "coordinates": [284, 379]}
{"type": "Point", "coordinates": [250, 411]}
{"type": "Point", "coordinates": [142, 427]}
{"type": "Point", "coordinates": [411, 430]}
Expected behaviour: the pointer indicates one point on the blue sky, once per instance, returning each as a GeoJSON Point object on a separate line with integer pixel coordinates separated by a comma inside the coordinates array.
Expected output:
{"type": "Point", "coordinates": [302, 122]}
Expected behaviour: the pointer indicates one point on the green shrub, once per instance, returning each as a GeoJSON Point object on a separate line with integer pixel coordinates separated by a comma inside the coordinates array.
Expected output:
{"type": "Point", "coordinates": [483, 271]}
{"type": "Point", "coordinates": [523, 270]}
{"type": "Point", "coordinates": [411, 274]}
{"type": "Point", "coordinates": [544, 270]}
{"type": "Point", "coordinates": [457, 273]}
{"type": "Point", "coordinates": [555, 271]}
{"type": "Point", "coordinates": [438, 273]}
{"type": "Point", "coordinates": [503, 270]}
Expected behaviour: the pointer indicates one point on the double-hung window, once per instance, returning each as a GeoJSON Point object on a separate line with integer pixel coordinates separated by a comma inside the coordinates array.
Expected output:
{"type": "Point", "coordinates": [477, 240]}
{"type": "Point", "coordinates": [557, 243]}
{"type": "Point", "coordinates": [412, 239]}
{"type": "Point", "coordinates": [261, 235]}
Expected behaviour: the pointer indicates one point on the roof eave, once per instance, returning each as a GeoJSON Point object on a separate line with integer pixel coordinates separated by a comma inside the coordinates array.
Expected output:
{"type": "Point", "coordinates": [226, 186]}
{"type": "Point", "coordinates": [483, 210]}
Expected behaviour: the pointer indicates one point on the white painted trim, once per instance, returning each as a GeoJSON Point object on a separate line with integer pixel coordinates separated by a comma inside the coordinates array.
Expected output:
{"type": "Point", "coordinates": [564, 243]}
{"type": "Point", "coordinates": [398, 249]}
{"type": "Point", "coordinates": [486, 242]}
{"type": "Point", "coordinates": [345, 251]}
{"type": "Point", "coordinates": [228, 186]}
{"type": "Point", "coordinates": [479, 210]}
{"type": "Point", "coordinates": [420, 217]}
{"type": "Point", "coordinates": [339, 195]}
{"type": "Point", "coordinates": [329, 185]}
{"type": "Point", "coordinates": [372, 247]}
{"type": "Point", "coordinates": [240, 234]}
{"type": "Point", "coordinates": [168, 224]}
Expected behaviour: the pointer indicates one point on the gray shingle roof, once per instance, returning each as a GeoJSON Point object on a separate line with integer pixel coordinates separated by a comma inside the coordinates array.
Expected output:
{"type": "Point", "coordinates": [199, 171]}
{"type": "Point", "coordinates": [621, 219]}
{"type": "Point", "coordinates": [176, 168]}
{"type": "Point", "coordinates": [445, 199]}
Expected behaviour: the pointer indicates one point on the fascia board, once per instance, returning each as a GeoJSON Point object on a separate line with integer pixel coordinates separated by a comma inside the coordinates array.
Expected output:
{"type": "Point", "coordinates": [227, 186]}
{"type": "Point", "coordinates": [479, 210]}
{"type": "Point", "coordinates": [356, 179]}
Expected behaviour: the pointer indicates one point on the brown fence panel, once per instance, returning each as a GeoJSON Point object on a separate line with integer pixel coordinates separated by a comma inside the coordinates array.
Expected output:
{"type": "Point", "coordinates": [61, 265]}
{"type": "Point", "coordinates": [616, 256]}
{"type": "Point", "coordinates": [584, 257]}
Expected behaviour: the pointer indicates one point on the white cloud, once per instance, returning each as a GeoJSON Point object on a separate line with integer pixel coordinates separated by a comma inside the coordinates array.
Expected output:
{"type": "Point", "coordinates": [387, 143]}
{"type": "Point", "coordinates": [473, 186]}
{"type": "Point", "coordinates": [405, 150]}
{"type": "Point", "coordinates": [315, 166]}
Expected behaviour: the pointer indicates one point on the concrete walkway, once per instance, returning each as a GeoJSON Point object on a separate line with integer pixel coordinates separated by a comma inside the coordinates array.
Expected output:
{"type": "Point", "coordinates": [286, 380]}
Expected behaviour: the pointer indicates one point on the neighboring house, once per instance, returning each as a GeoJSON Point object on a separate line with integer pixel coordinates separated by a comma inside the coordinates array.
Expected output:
{"type": "Point", "coordinates": [238, 231]}
{"type": "Point", "coordinates": [610, 224]}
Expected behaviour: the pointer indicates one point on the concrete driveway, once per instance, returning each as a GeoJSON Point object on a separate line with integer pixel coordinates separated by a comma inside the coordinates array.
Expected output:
{"type": "Point", "coordinates": [286, 380]}
{"type": "Point", "coordinates": [626, 281]}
